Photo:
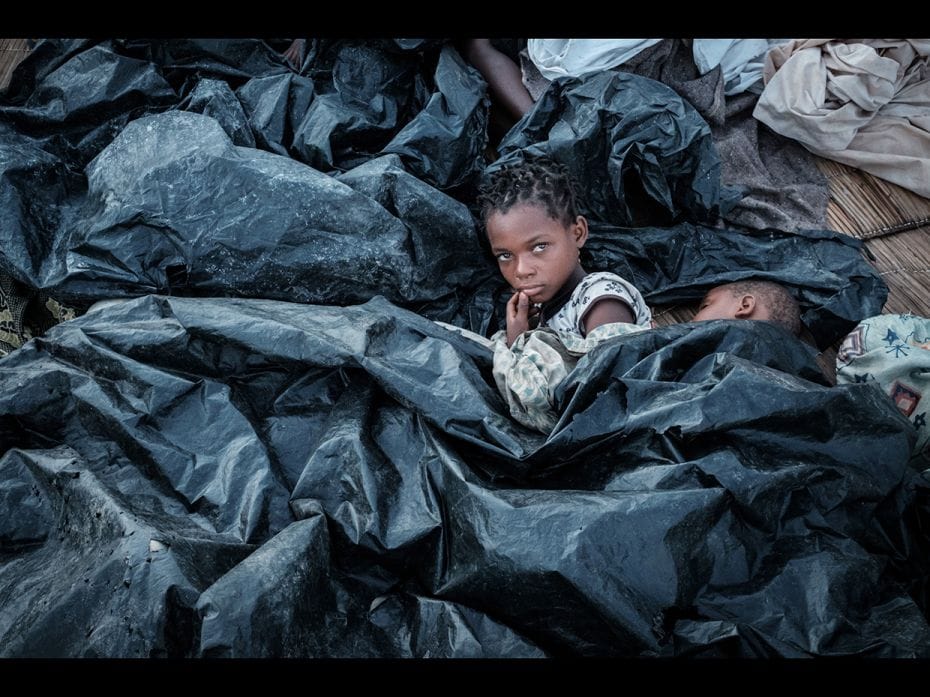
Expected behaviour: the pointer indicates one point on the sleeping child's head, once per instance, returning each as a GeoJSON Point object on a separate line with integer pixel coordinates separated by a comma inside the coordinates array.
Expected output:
{"type": "Point", "coordinates": [752, 299]}
{"type": "Point", "coordinates": [534, 228]}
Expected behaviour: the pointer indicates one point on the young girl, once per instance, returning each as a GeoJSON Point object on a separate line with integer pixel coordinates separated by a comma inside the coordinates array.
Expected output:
{"type": "Point", "coordinates": [536, 234]}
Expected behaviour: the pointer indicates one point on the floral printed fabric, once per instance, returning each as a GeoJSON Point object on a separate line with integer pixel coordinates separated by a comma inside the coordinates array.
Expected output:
{"type": "Point", "coordinates": [25, 313]}
{"type": "Point", "coordinates": [594, 287]}
{"type": "Point", "coordinates": [893, 353]}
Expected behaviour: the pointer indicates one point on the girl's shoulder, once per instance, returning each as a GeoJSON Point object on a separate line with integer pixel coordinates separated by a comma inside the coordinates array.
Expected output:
{"type": "Point", "coordinates": [599, 283]}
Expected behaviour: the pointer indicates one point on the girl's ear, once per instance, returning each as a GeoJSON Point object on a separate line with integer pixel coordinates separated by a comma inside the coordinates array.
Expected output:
{"type": "Point", "coordinates": [580, 230]}
{"type": "Point", "coordinates": [747, 305]}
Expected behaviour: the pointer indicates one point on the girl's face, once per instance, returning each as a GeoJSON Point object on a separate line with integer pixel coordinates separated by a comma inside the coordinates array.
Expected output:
{"type": "Point", "coordinates": [536, 253]}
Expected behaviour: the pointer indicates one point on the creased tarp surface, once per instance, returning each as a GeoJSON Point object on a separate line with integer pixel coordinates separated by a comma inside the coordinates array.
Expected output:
{"type": "Point", "coordinates": [778, 180]}
{"type": "Point", "coordinates": [826, 271]}
{"type": "Point", "coordinates": [104, 195]}
{"type": "Point", "coordinates": [781, 185]}
{"type": "Point", "coordinates": [231, 477]}
{"type": "Point", "coordinates": [640, 154]}
{"type": "Point", "coordinates": [417, 98]}
{"type": "Point", "coordinates": [173, 206]}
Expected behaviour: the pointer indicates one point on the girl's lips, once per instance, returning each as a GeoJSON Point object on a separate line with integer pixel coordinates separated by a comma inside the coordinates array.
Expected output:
{"type": "Point", "coordinates": [532, 290]}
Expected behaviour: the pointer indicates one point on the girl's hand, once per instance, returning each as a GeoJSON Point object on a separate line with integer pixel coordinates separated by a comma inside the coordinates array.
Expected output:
{"type": "Point", "coordinates": [518, 316]}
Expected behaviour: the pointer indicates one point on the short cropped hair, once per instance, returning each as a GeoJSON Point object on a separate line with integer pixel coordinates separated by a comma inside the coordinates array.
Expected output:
{"type": "Point", "coordinates": [781, 304]}
{"type": "Point", "coordinates": [538, 181]}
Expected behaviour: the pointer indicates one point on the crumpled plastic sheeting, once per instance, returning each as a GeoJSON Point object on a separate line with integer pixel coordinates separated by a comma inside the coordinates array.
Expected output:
{"type": "Point", "coordinates": [76, 123]}
{"type": "Point", "coordinates": [35, 187]}
{"type": "Point", "coordinates": [275, 106]}
{"type": "Point", "coordinates": [213, 98]}
{"type": "Point", "coordinates": [418, 96]}
{"type": "Point", "coordinates": [378, 100]}
{"type": "Point", "coordinates": [641, 154]}
{"type": "Point", "coordinates": [102, 243]}
{"type": "Point", "coordinates": [155, 219]}
{"type": "Point", "coordinates": [181, 60]}
{"type": "Point", "coordinates": [174, 206]}
{"type": "Point", "coordinates": [45, 57]}
{"type": "Point", "coordinates": [228, 477]}
{"type": "Point", "coordinates": [47, 203]}
{"type": "Point", "coordinates": [825, 271]}
{"type": "Point", "coordinates": [780, 185]}
{"type": "Point", "coordinates": [444, 144]}
{"type": "Point", "coordinates": [373, 93]}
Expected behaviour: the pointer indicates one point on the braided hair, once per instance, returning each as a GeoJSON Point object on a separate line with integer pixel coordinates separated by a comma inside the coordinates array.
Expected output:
{"type": "Point", "coordinates": [538, 181]}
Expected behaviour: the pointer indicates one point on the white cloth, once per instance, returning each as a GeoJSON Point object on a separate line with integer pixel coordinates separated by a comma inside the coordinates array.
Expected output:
{"type": "Point", "coordinates": [741, 61]}
{"type": "Point", "coordinates": [575, 57]}
{"type": "Point", "coordinates": [595, 287]}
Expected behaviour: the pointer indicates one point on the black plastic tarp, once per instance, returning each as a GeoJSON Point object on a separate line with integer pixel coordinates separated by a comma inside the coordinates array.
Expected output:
{"type": "Point", "coordinates": [173, 206]}
{"type": "Point", "coordinates": [241, 476]}
{"type": "Point", "coordinates": [826, 271]}
{"type": "Point", "coordinates": [640, 153]}
{"type": "Point", "coordinates": [230, 477]}
{"type": "Point", "coordinates": [117, 191]}
{"type": "Point", "coordinates": [173, 193]}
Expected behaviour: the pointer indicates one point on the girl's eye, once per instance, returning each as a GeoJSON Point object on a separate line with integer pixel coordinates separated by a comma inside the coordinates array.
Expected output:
{"type": "Point", "coordinates": [541, 246]}
{"type": "Point", "coordinates": [503, 256]}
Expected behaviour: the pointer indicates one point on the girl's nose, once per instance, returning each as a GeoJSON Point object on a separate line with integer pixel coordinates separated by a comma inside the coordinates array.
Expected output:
{"type": "Point", "coordinates": [524, 267]}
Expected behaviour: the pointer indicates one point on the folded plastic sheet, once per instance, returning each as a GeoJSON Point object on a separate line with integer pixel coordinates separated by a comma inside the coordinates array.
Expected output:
{"type": "Point", "coordinates": [444, 144]}
{"type": "Point", "coordinates": [112, 198]}
{"type": "Point", "coordinates": [73, 97]}
{"type": "Point", "coordinates": [378, 97]}
{"type": "Point", "coordinates": [826, 271]}
{"type": "Point", "coordinates": [640, 153]}
{"type": "Point", "coordinates": [215, 99]}
{"type": "Point", "coordinates": [372, 94]}
{"type": "Point", "coordinates": [182, 60]}
{"type": "Point", "coordinates": [227, 477]}
{"type": "Point", "coordinates": [415, 97]}
{"type": "Point", "coordinates": [231, 477]}
{"type": "Point", "coordinates": [173, 206]}
{"type": "Point", "coordinates": [275, 106]}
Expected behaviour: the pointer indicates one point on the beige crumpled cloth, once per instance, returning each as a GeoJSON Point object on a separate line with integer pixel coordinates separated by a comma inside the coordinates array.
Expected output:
{"type": "Point", "coordinates": [529, 372]}
{"type": "Point", "coordinates": [862, 102]}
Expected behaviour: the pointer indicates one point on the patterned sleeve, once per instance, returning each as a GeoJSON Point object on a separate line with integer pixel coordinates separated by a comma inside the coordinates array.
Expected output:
{"type": "Point", "coordinates": [597, 286]}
